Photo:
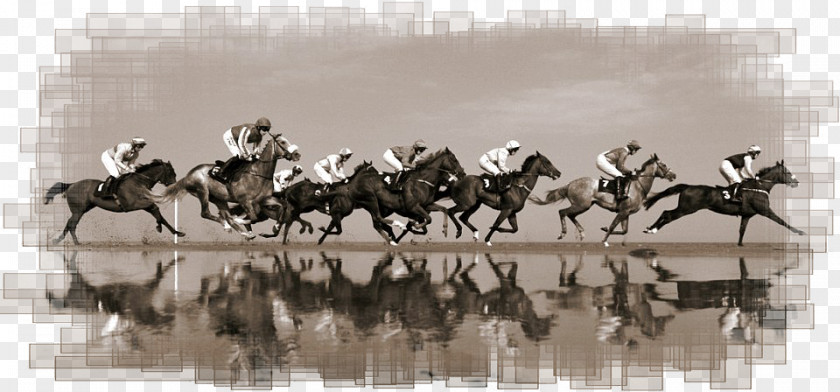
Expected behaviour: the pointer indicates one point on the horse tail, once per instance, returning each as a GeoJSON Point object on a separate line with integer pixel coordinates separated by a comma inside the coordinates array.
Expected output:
{"type": "Point", "coordinates": [650, 201]}
{"type": "Point", "coordinates": [173, 192]}
{"type": "Point", "coordinates": [55, 190]}
{"type": "Point", "coordinates": [552, 196]}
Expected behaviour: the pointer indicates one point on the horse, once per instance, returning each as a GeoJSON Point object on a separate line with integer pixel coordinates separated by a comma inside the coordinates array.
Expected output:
{"type": "Point", "coordinates": [468, 195]}
{"type": "Point", "coordinates": [583, 191]}
{"type": "Point", "coordinates": [755, 200]}
{"type": "Point", "coordinates": [134, 193]}
{"type": "Point", "coordinates": [301, 198]}
{"type": "Point", "coordinates": [248, 187]}
{"type": "Point", "coordinates": [415, 201]}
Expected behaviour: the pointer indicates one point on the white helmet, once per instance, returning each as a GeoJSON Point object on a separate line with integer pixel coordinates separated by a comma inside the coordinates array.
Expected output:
{"type": "Point", "coordinates": [513, 144]}
{"type": "Point", "coordinates": [138, 141]}
{"type": "Point", "coordinates": [345, 151]}
{"type": "Point", "coordinates": [297, 169]}
{"type": "Point", "coordinates": [292, 148]}
{"type": "Point", "coordinates": [754, 149]}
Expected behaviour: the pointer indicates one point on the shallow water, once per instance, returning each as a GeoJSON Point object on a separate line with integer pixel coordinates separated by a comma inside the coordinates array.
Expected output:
{"type": "Point", "coordinates": [260, 319]}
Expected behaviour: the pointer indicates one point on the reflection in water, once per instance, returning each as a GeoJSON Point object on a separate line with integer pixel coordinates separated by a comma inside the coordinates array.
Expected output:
{"type": "Point", "coordinates": [357, 318]}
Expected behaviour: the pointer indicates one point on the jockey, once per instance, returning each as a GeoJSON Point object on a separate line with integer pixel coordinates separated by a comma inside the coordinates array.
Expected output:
{"type": "Point", "coordinates": [493, 161]}
{"type": "Point", "coordinates": [738, 167]}
{"type": "Point", "coordinates": [612, 163]}
{"type": "Point", "coordinates": [119, 160]}
{"type": "Point", "coordinates": [243, 141]}
{"type": "Point", "coordinates": [402, 158]}
{"type": "Point", "coordinates": [284, 178]}
{"type": "Point", "coordinates": [332, 165]}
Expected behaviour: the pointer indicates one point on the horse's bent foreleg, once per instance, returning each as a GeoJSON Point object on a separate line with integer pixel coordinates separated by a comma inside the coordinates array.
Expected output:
{"type": "Point", "coordinates": [514, 227]}
{"type": "Point", "coordinates": [71, 228]}
{"type": "Point", "coordinates": [503, 214]}
{"type": "Point", "coordinates": [465, 219]}
{"type": "Point", "coordinates": [155, 211]}
{"type": "Point", "coordinates": [621, 216]}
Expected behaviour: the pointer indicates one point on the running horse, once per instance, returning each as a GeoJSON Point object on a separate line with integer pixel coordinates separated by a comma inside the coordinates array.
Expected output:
{"type": "Point", "coordinates": [134, 193]}
{"type": "Point", "coordinates": [468, 195]}
{"type": "Point", "coordinates": [583, 192]}
{"type": "Point", "coordinates": [247, 187]}
{"type": "Point", "coordinates": [755, 200]}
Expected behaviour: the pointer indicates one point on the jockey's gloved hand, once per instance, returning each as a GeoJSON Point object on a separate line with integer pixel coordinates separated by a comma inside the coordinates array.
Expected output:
{"type": "Point", "coordinates": [346, 180]}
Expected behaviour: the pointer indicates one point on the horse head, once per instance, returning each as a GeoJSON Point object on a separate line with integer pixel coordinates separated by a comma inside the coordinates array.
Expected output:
{"type": "Point", "coordinates": [287, 150]}
{"type": "Point", "coordinates": [443, 161]}
{"type": "Point", "coordinates": [778, 174]}
{"type": "Point", "coordinates": [541, 165]}
{"type": "Point", "coordinates": [662, 170]}
{"type": "Point", "coordinates": [158, 170]}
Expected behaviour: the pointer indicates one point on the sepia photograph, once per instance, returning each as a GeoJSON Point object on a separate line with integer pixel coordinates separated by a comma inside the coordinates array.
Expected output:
{"type": "Point", "coordinates": [552, 195]}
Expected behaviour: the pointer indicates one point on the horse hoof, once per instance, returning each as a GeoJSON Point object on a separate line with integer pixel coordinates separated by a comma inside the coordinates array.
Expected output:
{"type": "Point", "coordinates": [560, 237]}
{"type": "Point", "coordinates": [650, 231]}
{"type": "Point", "coordinates": [489, 243]}
{"type": "Point", "coordinates": [605, 229]}
{"type": "Point", "coordinates": [457, 234]}
{"type": "Point", "coordinates": [180, 233]}
{"type": "Point", "coordinates": [159, 229]}
{"type": "Point", "coordinates": [475, 236]}
{"type": "Point", "coordinates": [392, 243]}
{"type": "Point", "coordinates": [606, 244]}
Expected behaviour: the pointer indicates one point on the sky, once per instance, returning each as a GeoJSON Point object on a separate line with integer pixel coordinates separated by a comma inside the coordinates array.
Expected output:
{"type": "Point", "coordinates": [568, 101]}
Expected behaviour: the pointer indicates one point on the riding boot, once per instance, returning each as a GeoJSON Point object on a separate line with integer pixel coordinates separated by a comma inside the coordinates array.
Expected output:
{"type": "Point", "coordinates": [736, 193]}
{"type": "Point", "coordinates": [107, 187]}
{"type": "Point", "coordinates": [621, 188]}
{"type": "Point", "coordinates": [224, 171]}
{"type": "Point", "coordinates": [499, 182]}
{"type": "Point", "coordinates": [396, 185]}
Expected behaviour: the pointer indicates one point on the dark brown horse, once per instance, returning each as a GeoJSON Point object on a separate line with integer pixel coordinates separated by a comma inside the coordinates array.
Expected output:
{"type": "Point", "coordinates": [583, 192]}
{"type": "Point", "coordinates": [133, 194]}
{"type": "Point", "coordinates": [755, 200]}
{"type": "Point", "coordinates": [468, 195]}
{"type": "Point", "coordinates": [248, 187]}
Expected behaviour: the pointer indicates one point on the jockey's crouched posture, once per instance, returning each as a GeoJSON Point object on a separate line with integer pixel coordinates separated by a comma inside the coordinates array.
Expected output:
{"type": "Point", "coordinates": [737, 168]}
{"type": "Point", "coordinates": [284, 178]}
{"type": "Point", "coordinates": [244, 142]}
{"type": "Point", "coordinates": [493, 161]}
{"type": "Point", "coordinates": [120, 160]}
{"type": "Point", "coordinates": [332, 165]}
{"type": "Point", "coordinates": [402, 158]}
{"type": "Point", "coordinates": [612, 163]}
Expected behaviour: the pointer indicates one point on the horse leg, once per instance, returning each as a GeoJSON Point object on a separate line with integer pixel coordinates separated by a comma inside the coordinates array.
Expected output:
{"type": "Point", "coordinates": [514, 227]}
{"type": "Point", "coordinates": [451, 213]}
{"type": "Point", "coordinates": [465, 218]}
{"type": "Point", "coordinates": [743, 229]}
{"type": "Point", "coordinates": [625, 224]}
{"type": "Point", "coordinates": [380, 229]}
{"type": "Point", "coordinates": [304, 225]}
{"type": "Point", "coordinates": [503, 214]}
{"type": "Point", "coordinates": [155, 211]}
{"type": "Point", "coordinates": [572, 212]}
{"type": "Point", "coordinates": [326, 231]}
{"type": "Point", "coordinates": [71, 228]}
{"type": "Point", "coordinates": [775, 218]}
{"type": "Point", "coordinates": [621, 216]}
{"type": "Point", "coordinates": [204, 199]}
{"type": "Point", "coordinates": [668, 217]}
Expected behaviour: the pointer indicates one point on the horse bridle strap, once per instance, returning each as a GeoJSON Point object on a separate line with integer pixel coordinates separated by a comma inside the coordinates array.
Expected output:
{"type": "Point", "coordinates": [426, 182]}
{"type": "Point", "coordinates": [757, 190]}
{"type": "Point", "coordinates": [524, 186]}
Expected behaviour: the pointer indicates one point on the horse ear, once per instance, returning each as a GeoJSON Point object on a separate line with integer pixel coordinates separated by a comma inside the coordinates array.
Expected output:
{"type": "Point", "coordinates": [782, 162]}
{"type": "Point", "coordinates": [654, 156]}
{"type": "Point", "coordinates": [538, 153]}
{"type": "Point", "coordinates": [777, 163]}
{"type": "Point", "coordinates": [447, 149]}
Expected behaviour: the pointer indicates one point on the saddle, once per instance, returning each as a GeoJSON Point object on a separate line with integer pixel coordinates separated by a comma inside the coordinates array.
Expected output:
{"type": "Point", "coordinates": [224, 171]}
{"type": "Point", "coordinates": [494, 184]}
{"type": "Point", "coordinates": [394, 181]}
{"type": "Point", "coordinates": [108, 189]}
{"type": "Point", "coordinates": [607, 185]}
{"type": "Point", "coordinates": [731, 193]}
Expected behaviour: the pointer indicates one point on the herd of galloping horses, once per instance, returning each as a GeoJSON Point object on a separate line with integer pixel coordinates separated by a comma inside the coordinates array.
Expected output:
{"type": "Point", "coordinates": [438, 176]}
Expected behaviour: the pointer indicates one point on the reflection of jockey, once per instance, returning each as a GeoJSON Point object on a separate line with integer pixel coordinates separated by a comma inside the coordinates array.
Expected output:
{"type": "Point", "coordinates": [120, 160]}
{"type": "Point", "coordinates": [612, 163]}
{"type": "Point", "coordinates": [402, 158]}
{"type": "Point", "coordinates": [284, 178]}
{"type": "Point", "coordinates": [243, 142]}
{"type": "Point", "coordinates": [332, 165]}
{"type": "Point", "coordinates": [493, 161]}
{"type": "Point", "coordinates": [738, 167]}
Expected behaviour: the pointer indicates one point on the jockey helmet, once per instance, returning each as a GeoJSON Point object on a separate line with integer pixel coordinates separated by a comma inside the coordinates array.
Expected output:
{"type": "Point", "coordinates": [633, 144]}
{"type": "Point", "coordinates": [138, 141]}
{"type": "Point", "coordinates": [754, 149]}
{"type": "Point", "coordinates": [420, 144]}
{"type": "Point", "coordinates": [297, 169]}
{"type": "Point", "coordinates": [292, 148]}
{"type": "Point", "coordinates": [512, 145]}
{"type": "Point", "coordinates": [345, 152]}
{"type": "Point", "coordinates": [263, 124]}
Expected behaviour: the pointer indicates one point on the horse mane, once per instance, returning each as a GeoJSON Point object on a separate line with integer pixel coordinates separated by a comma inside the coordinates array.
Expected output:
{"type": "Point", "coordinates": [529, 161]}
{"type": "Point", "coordinates": [360, 167]}
{"type": "Point", "coordinates": [154, 163]}
{"type": "Point", "coordinates": [648, 162]}
{"type": "Point", "coordinates": [765, 170]}
{"type": "Point", "coordinates": [422, 163]}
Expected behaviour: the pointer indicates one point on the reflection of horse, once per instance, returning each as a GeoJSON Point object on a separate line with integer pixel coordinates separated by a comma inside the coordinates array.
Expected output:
{"type": "Point", "coordinates": [248, 187]}
{"type": "Point", "coordinates": [755, 200]}
{"type": "Point", "coordinates": [468, 195]}
{"type": "Point", "coordinates": [583, 192]}
{"type": "Point", "coordinates": [133, 194]}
